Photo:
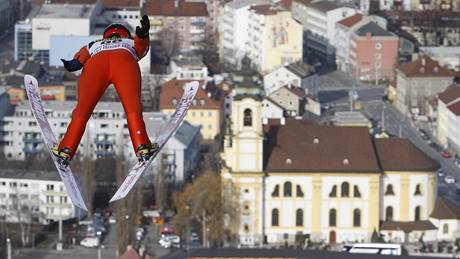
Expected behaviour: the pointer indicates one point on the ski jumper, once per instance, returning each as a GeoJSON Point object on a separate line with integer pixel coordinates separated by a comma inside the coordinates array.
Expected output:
{"type": "Point", "coordinates": [105, 62]}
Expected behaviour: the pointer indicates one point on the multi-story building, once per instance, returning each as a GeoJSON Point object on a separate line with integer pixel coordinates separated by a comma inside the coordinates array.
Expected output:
{"type": "Point", "coordinates": [275, 38]}
{"type": "Point", "coordinates": [418, 80]}
{"type": "Point", "coordinates": [178, 24]}
{"type": "Point", "coordinates": [320, 29]}
{"type": "Point", "coordinates": [448, 118]}
{"type": "Point", "coordinates": [106, 135]}
{"type": "Point", "coordinates": [297, 74]}
{"type": "Point", "coordinates": [188, 67]}
{"type": "Point", "coordinates": [292, 99]}
{"type": "Point", "coordinates": [329, 184]}
{"type": "Point", "coordinates": [233, 30]}
{"type": "Point", "coordinates": [374, 53]}
{"type": "Point", "coordinates": [206, 110]}
{"type": "Point", "coordinates": [446, 217]}
{"type": "Point", "coordinates": [344, 29]}
{"type": "Point", "coordinates": [32, 196]}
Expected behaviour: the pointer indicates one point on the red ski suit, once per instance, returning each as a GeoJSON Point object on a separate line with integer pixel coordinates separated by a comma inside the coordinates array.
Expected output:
{"type": "Point", "coordinates": [104, 62]}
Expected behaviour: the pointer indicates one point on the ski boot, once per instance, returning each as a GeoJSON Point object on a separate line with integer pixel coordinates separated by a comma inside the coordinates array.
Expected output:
{"type": "Point", "coordinates": [63, 154]}
{"type": "Point", "coordinates": [145, 151]}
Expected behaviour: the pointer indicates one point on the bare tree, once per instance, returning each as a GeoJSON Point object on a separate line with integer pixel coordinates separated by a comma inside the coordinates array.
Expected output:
{"type": "Point", "coordinates": [86, 167]}
{"type": "Point", "coordinates": [169, 39]}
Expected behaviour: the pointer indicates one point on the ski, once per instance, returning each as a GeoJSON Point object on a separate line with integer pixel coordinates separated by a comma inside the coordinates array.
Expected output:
{"type": "Point", "coordinates": [136, 172]}
{"type": "Point", "coordinates": [66, 174]}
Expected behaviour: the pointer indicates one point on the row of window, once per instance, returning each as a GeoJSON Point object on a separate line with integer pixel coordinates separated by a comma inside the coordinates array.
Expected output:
{"type": "Point", "coordinates": [389, 213]}
{"type": "Point", "coordinates": [389, 190]}
{"type": "Point", "coordinates": [345, 192]}
{"type": "Point", "coordinates": [299, 216]}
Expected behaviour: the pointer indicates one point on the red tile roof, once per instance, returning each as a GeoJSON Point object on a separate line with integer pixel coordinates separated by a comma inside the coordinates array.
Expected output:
{"type": "Point", "coordinates": [211, 98]}
{"type": "Point", "coordinates": [450, 94]}
{"type": "Point", "coordinates": [301, 147]}
{"type": "Point", "coordinates": [167, 8]}
{"type": "Point", "coordinates": [431, 68]}
{"type": "Point", "coordinates": [445, 209]}
{"type": "Point", "coordinates": [116, 4]}
{"type": "Point", "coordinates": [303, 2]}
{"type": "Point", "coordinates": [397, 154]}
{"type": "Point", "coordinates": [296, 90]}
{"type": "Point", "coordinates": [40, 2]}
{"type": "Point", "coordinates": [455, 108]}
{"type": "Point", "coordinates": [352, 20]}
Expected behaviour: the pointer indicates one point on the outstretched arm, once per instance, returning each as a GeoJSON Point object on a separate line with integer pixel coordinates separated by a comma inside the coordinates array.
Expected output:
{"type": "Point", "coordinates": [141, 40]}
{"type": "Point", "coordinates": [78, 60]}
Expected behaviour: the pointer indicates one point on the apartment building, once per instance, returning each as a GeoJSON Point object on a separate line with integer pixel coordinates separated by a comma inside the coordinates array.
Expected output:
{"type": "Point", "coordinates": [374, 53]}
{"type": "Point", "coordinates": [33, 196]}
{"type": "Point", "coordinates": [448, 118]}
{"type": "Point", "coordinates": [178, 24]}
{"type": "Point", "coordinates": [234, 30]}
{"type": "Point", "coordinates": [106, 135]}
{"type": "Point", "coordinates": [322, 17]}
{"type": "Point", "coordinates": [275, 38]}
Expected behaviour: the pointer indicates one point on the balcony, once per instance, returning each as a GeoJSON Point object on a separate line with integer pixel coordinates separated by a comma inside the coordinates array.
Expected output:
{"type": "Point", "coordinates": [32, 140]}
{"type": "Point", "coordinates": [104, 142]}
{"type": "Point", "coordinates": [105, 153]}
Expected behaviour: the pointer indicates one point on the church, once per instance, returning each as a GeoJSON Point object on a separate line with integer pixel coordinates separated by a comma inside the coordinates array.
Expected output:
{"type": "Point", "coordinates": [294, 180]}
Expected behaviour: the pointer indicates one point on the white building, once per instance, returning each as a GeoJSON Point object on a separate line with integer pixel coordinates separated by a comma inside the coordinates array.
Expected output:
{"type": "Point", "coordinates": [448, 122]}
{"type": "Point", "coordinates": [322, 17]}
{"type": "Point", "coordinates": [234, 30]}
{"type": "Point", "coordinates": [446, 217]}
{"type": "Point", "coordinates": [106, 135]}
{"type": "Point", "coordinates": [297, 74]}
{"type": "Point", "coordinates": [32, 196]}
{"type": "Point", "coordinates": [188, 68]}
{"type": "Point", "coordinates": [271, 109]}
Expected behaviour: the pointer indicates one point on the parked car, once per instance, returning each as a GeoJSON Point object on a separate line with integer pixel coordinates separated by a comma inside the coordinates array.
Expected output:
{"type": "Point", "coordinates": [90, 242]}
{"type": "Point", "coordinates": [194, 237]}
{"type": "Point", "coordinates": [168, 241]}
{"type": "Point", "coordinates": [440, 172]}
{"type": "Point", "coordinates": [435, 146]}
{"type": "Point", "coordinates": [424, 134]}
{"type": "Point", "coordinates": [449, 179]}
{"type": "Point", "coordinates": [446, 154]}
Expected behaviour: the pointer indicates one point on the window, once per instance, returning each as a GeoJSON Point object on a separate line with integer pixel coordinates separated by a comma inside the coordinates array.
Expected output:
{"type": "Point", "coordinates": [378, 45]}
{"type": "Point", "coordinates": [332, 217]}
{"type": "Point", "coordinates": [299, 192]}
{"type": "Point", "coordinates": [247, 118]}
{"type": "Point", "coordinates": [287, 189]}
{"type": "Point", "coordinates": [13, 184]}
{"type": "Point", "coordinates": [345, 189]}
{"type": "Point", "coordinates": [246, 228]}
{"type": "Point", "coordinates": [389, 213]}
{"type": "Point", "coordinates": [246, 208]}
{"type": "Point", "coordinates": [299, 218]}
{"type": "Point", "coordinates": [49, 187]}
{"type": "Point", "coordinates": [356, 192]}
{"type": "Point", "coordinates": [418, 190]}
{"type": "Point", "coordinates": [389, 190]}
{"type": "Point", "coordinates": [275, 219]}
{"type": "Point", "coordinates": [417, 214]}
{"type": "Point", "coordinates": [276, 191]}
{"type": "Point", "coordinates": [445, 229]}
{"type": "Point", "coordinates": [356, 218]}
{"type": "Point", "coordinates": [333, 192]}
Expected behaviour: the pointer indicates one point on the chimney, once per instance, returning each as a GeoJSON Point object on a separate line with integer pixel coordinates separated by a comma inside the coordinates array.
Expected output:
{"type": "Point", "coordinates": [176, 3]}
{"type": "Point", "coordinates": [283, 121]}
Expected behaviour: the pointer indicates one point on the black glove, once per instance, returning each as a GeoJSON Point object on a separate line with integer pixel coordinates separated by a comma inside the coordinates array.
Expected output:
{"type": "Point", "coordinates": [72, 65]}
{"type": "Point", "coordinates": [143, 31]}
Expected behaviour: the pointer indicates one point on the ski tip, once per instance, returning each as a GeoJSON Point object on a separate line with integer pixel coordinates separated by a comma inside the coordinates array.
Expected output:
{"type": "Point", "coordinates": [115, 198]}
{"type": "Point", "coordinates": [30, 80]}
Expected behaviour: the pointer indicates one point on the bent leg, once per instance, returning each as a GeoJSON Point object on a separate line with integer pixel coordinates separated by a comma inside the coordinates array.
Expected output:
{"type": "Point", "coordinates": [91, 86]}
{"type": "Point", "coordinates": [126, 77]}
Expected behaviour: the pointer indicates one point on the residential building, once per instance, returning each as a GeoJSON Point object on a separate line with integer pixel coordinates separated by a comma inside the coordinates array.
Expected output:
{"type": "Point", "coordinates": [188, 68]}
{"type": "Point", "coordinates": [178, 24]}
{"type": "Point", "coordinates": [207, 108]}
{"type": "Point", "coordinates": [446, 217]}
{"type": "Point", "coordinates": [292, 99]}
{"type": "Point", "coordinates": [232, 45]}
{"type": "Point", "coordinates": [418, 80]}
{"type": "Point", "coordinates": [275, 38]}
{"type": "Point", "coordinates": [374, 53]}
{"type": "Point", "coordinates": [448, 118]}
{"type": "Point", "coordinates": [322, 17]}
{"type": "Point", "coordinates": [344, 29]}
{"type": "Point", "coordinates": [106, 135]}
{"type": "Point", "coordinates": [297, 74]}
{"type": "Point", "coordinates": [33, 196]}
{"type": "Point", "coordinates": [272, 110]}
{"type": "Point", "coordinates": [352, 180]}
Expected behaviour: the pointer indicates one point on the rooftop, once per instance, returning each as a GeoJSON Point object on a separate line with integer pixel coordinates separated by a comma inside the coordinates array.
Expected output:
{"type": "Point", "coordinates": [267, 9]}
{"type": "Point", "coordinates": [374, 30]}
{"type": "Point", "coordinates": [352, 20]}
{"type": "Point", "coordinates": [301, 69]}
{"type": "Point", "coordinates": [40, 2]}
{"type": "Point", "coordinates": [408, 226]}
{"type": "Point", "coordinates": [28, 174]}
{"type": "Point", "coordinates": [445, 208]}
{"type": "Point", "coordinates": [82, 11]}
{"type": "Point", "coordinates": [238, 4]}
{"type": "Point", "coordinates": [398, 154]}
{"type": "Point", "coordinates": [207, 97]}
{"type": "Point", "coordinates": [452, 93]}
{"type": "Point", "coordinates": [424, 66]}
{"type": "Point", "coordinates": [118, 4]}
{"type": "Point", "coordinates": [324, 6]}
{"type": "Point", "coordinates": [168, 8]}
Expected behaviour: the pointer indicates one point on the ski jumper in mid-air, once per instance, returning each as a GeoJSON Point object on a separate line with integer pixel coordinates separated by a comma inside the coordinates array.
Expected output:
{"type": "Point", "coordinates": [112, 59]}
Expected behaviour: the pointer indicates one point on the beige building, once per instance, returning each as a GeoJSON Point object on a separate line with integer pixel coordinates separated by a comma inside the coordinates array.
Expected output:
{"type": "Point", "coordinates": [418, 80]}
{"type": "Point", "coordinates": [206, 110]}
{"type": "Point", "coordinates": [275, 38]}
{"type": "Point", "coordinates": [327, 184]}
